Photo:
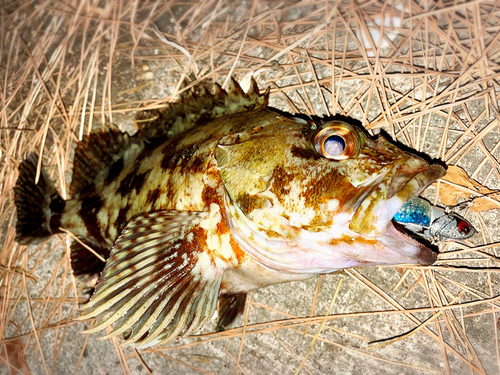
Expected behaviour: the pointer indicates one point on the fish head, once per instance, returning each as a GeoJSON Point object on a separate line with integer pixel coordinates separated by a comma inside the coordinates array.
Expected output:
{"type": "Point", "coordinates": [315, 198]}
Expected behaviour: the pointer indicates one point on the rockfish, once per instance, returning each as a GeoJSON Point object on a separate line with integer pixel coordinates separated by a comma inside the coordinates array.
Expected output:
{"type": "Point", "coordinates": [215, 196]}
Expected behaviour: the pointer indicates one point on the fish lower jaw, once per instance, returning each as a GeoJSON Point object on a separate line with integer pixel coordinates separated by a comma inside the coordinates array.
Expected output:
{"type": "Point", "coordinates": [396, 239]}
{"type": "Point", "coordinates": [377, 223]}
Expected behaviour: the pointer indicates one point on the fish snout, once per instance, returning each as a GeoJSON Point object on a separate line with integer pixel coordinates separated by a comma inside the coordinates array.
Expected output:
{"type": "Point", "coordinates": [405, 171]}
{"type": "Point", "coordinates": [373, 216]}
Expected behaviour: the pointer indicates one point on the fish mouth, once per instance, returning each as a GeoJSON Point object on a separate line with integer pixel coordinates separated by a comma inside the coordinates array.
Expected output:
{"type": "Point", "coordinates": [377, 223]}
{"type": "Point", "coordinates": [417, 250]}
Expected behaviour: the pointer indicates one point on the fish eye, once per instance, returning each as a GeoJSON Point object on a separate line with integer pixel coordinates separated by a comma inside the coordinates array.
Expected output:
{"type": "Point", "coordinates": [336, 140]}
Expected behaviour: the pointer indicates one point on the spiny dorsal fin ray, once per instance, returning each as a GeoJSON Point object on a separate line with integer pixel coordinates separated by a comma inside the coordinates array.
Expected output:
{"type": "Point", "coordinates": [194, 108]}
{"type": "Point", "coordinates": [157, 283]}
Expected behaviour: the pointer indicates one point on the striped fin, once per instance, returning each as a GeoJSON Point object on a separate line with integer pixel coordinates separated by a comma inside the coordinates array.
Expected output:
{"type": "Point", "coordinates": [83, 262]}
{"type": "Point", "coordinates": [193, 108]}
{"type": "Point", "coordinates": [158, 282]}
{"type": "Point", "coordinates": [39, 206]}
{"type": "Point", "coordinates": [98, 156]}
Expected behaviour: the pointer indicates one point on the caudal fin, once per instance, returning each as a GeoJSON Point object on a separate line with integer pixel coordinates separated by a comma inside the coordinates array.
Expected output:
{"type": "Point", "coordinates": [39, 206]}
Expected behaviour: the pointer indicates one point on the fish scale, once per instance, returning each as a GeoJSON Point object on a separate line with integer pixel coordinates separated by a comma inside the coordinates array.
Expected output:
{"type": "Point", "coordinates": [218, 195]}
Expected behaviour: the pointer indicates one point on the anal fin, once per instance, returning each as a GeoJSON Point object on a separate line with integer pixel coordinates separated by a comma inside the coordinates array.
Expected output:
{"type": "Point", "coordinates": [159, 282]}
{"type": "Point", "coordinates": [83, 262]}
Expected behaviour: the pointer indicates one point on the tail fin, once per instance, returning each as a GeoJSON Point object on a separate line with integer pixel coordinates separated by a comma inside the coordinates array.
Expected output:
{"type": "Point", "coordinates": [39, 206]}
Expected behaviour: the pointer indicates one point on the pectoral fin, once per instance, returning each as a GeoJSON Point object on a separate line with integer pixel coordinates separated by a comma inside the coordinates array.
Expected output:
{"type": "Point", "coordinates": [159, 282]}
{"type": "Point", "coordinates": [230, 308]}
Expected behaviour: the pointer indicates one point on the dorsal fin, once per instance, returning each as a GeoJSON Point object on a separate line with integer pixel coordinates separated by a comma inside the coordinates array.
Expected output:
{"type": "Point", "coordinates": [195, 107]}
{"type": "Point", "coordinates": [96, 154]}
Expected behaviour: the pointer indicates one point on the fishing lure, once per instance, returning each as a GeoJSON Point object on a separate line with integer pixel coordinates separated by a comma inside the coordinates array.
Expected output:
{"type": "Point", "coordinates": [432, 222]}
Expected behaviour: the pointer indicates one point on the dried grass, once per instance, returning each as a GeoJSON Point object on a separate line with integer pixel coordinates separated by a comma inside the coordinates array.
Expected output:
{"type": "Point", "coordinates": [432, 83]}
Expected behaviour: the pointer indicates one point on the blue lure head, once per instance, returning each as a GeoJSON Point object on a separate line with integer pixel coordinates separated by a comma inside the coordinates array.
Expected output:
{"type": "Point", "coordinates": [416, 211]}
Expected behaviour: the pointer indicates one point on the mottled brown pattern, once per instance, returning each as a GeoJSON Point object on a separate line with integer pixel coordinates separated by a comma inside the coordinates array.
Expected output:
{"type": "Point", "coordinates": [210, 195]}
{"type": "Point", "coordinates": [189, 172]}
{"type": "Point", "coordinates": [305, 153]}
{"type": "Point", "coordinates": [114, 171]}
{"type": "Point", "coordinates": [132, 181]}
{"type": "Point", "coordinates": [93, 157]}
{"type": "Point", "coordinates": [238, 253]}
{"type": "Point", "coordinates": [169, 161]}
{"type": "Point", "coordinates": [281, 180]}
{"type": "Point", "coordinates": [198, 244]}
{"type": "Point", "coordinates": [223, 225]}
{"type": "Point", "coordinates": [329, 186]}
{"type": "Point", "coordinates": [247, 203]}
{"type": "Point", "coordinates": [197, 164]}
{"type": "Point", "coordinates": [88, 212]}
{"type": "Point", "coordinates": [186, 156]}
{"type": "Point", "coordinates": [153, 195]}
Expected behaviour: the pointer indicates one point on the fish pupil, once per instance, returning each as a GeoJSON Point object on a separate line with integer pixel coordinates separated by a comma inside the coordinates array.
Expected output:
{"type": "Point", "coordinates": [334, 145]}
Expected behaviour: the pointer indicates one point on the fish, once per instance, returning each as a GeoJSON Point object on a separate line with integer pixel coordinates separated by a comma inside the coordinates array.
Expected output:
{"type": "Point", "coordinates": [217, 195]}
{"type": "Point", "coordinates": [432, 222]}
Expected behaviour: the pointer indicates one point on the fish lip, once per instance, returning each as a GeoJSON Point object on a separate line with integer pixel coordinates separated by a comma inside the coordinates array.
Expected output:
{"type": "Point", "coordinates": [372, 219]}
{"type": "Point", "coordinates": [412, 188]}
{"type": "Point", "coordinates": [421, 181]}
{"type": "Point", "coordinates": [419, 250]}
